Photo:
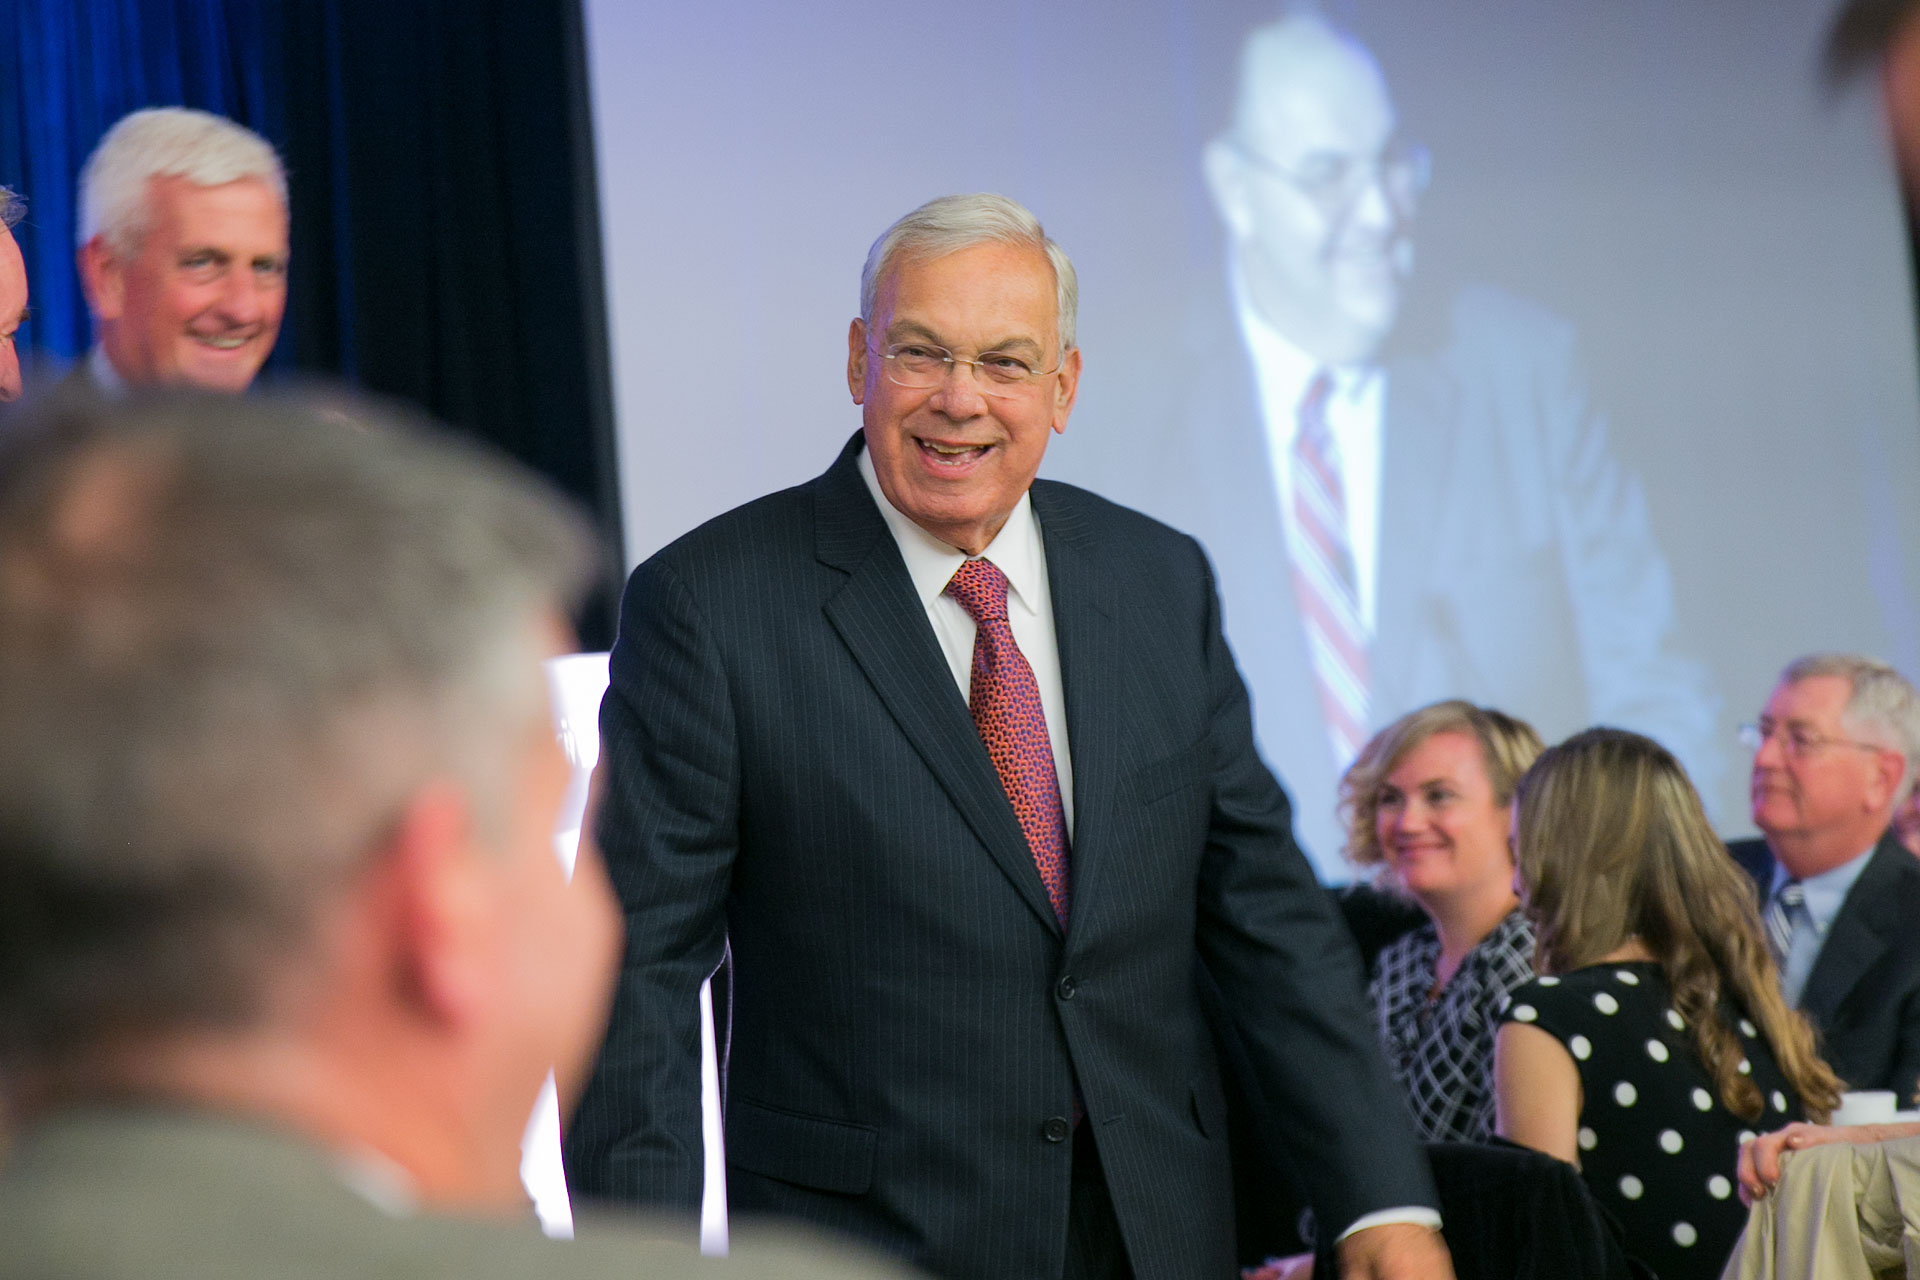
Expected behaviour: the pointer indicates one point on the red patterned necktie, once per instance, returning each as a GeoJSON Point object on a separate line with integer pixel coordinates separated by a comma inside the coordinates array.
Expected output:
{"type": "Point", "coordinates": [1005, 701]}
{"type": "Point", "coordinates": [1324, 578]}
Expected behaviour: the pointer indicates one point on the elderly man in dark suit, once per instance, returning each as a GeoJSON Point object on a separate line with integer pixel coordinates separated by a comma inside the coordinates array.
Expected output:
{"type": "Point", "coordinates": [958, 764]}
{"type": "Point", "coordinates": [285, 952]}
{"type": "Point", "coordinates": [1834, 753]}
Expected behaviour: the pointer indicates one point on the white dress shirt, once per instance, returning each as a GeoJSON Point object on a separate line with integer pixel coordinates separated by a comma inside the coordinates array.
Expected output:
{"type": "Point", "coordinates": [1355, 411]}
{"type": "Point", "coordinates": [1825, 894]}
{"type": "Point", "coordinates": [1017, 551]}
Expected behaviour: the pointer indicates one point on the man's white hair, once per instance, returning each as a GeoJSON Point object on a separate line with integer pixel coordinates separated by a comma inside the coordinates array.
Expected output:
{"type": "Point", "coordinates": [952, 223]}
{"type": "Point", "coordinates": [1883, 707]}
{"type": "Point", "coordinates": [166, 142]}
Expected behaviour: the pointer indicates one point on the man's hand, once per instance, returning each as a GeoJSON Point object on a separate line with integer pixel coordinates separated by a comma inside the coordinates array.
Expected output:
{"type": "Point", "coordinates": [1295, 1266]}
{"type": "Point", "coordinates": [1760, 1158]}
{"type": "Point", "coordinates": [1395, 1251]}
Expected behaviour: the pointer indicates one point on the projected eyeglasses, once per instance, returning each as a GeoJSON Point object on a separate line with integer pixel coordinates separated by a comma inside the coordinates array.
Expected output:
{"type": "Point", "coordinates": [1334, 181]}
{"type": "Point", "coordinates": [921, 365]}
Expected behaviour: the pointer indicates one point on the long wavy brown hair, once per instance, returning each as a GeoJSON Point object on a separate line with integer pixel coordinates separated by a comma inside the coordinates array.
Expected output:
{"type": "Point", "coordinates": [1613, 845]}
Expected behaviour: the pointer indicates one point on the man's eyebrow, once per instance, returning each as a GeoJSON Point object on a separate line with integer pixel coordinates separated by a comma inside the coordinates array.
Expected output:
{"type": "Point", "coordinates": [912, 328]}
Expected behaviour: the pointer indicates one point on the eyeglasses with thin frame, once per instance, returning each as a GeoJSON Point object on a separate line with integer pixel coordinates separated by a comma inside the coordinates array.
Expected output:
{"type": "Point", "coordinates": [1797, 740]}
{"type": "Point", "coordinates": [922, 366]}
{"type": "Point", "coordinates": [1333, 181]}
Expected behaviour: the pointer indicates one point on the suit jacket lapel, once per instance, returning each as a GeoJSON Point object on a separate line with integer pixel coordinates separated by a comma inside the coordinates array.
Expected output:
{"type": "Point", "coordinates": [1416, 443]}
{"type": "Point", "coordinates": [1859, 935]}
{"type": "Point", "coordinates": [881, 621]}
{"type": "Point", "coordinates": [1091, 666]}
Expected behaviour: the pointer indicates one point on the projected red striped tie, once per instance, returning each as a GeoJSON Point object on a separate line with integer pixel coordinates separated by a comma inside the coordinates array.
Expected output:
{"type": "Point", "coordinates": [1324, 578]}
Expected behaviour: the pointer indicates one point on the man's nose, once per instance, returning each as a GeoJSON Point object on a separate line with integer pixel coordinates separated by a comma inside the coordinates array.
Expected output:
{"type": "Point", "coordinates": [242, 299]}
{"type": "Point", "coordinates": [1373, 205]}
{"type": "Point", "coordinates": [1770, 754]}
{"type": "Point", "coordinates": [959, 394]}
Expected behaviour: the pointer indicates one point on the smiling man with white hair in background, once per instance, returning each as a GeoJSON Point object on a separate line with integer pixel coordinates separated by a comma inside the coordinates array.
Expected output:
{"type": "Point", "coordinates": [183, 252]}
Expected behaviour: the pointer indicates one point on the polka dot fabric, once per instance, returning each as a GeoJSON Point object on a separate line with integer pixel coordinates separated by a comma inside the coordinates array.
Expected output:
{"type": "Point", "coordinates": [1005, 701]}
{"type": "Point", "coordinates": [1657, 1146]}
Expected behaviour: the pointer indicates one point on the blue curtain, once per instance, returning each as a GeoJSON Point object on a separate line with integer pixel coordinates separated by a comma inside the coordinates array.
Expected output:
{"type": "Point", "coordinates": [440, 171]}
{"type": "Point", "coordinates": [69, 69]}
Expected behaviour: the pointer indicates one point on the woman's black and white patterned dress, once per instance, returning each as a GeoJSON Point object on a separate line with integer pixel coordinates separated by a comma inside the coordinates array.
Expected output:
{"type": "Point", "coordinates": [1657, 1145]}
{"type": "Point", "coordinates": [1441, 1051]}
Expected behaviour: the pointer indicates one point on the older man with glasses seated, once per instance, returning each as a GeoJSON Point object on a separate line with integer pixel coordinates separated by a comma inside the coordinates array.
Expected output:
{"type": "Point", "coordinates": [1834, 755]}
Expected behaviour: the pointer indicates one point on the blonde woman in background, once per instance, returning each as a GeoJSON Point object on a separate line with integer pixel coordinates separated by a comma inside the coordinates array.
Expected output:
{"type": "Point", "coordinates": [1656, 1040]}
{"type": "Point", "coordinates": [1428, 803]}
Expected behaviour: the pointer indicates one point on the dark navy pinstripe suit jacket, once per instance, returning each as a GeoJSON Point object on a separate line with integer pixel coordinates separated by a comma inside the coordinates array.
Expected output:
{"type": "Point", "coordinates": [789, 766]}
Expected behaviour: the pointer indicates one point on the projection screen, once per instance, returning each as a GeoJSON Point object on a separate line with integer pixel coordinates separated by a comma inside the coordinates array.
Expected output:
{"type": "Point", "coordinates": [1642, 424]}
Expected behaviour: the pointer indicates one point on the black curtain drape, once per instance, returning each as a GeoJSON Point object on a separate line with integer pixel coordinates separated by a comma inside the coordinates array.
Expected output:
{"type": "Point", "coordinates": [440, 164]}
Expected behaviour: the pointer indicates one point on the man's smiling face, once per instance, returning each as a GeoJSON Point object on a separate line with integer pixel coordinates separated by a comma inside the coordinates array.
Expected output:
{"type": "Point", "coordinates": [952, 458]}
{"type": "Point", "coordinates": [199, 301]}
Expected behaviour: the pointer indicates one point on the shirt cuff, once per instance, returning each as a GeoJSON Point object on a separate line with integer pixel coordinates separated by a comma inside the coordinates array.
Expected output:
{"type": "Point", "coordinates": [1417, 1215]}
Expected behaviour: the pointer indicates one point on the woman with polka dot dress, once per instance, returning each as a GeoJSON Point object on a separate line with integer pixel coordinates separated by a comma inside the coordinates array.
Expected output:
{"type": "Point", "coordinates": [1656, 1040]}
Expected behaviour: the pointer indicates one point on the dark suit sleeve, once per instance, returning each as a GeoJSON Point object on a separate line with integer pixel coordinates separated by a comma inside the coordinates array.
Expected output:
{"type": "Point", "coordinates": [667, 827]}
{"type": "Point", "coordinates": [1906, 1065]}
{"type": "Point", "coordinates": [1287, 969]}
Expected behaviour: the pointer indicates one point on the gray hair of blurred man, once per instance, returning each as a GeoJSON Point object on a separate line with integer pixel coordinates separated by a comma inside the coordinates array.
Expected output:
{"type": "Point", "coordinates": [952, 223]}
{"type": "Point", "coordinates": [166, 142]}
{"type": "Point", "coordinates": [1883, 708]}
{"type": "Point", "coordinates": [12, 208]}
{"type": "Point", "coordinates": [236, 637]}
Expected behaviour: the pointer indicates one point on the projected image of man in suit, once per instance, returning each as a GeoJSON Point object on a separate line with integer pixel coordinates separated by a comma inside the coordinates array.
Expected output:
{"type": "Point", "coordinates": [956, 762]}
{"type": "Point", "coordinates": [1402, 484]}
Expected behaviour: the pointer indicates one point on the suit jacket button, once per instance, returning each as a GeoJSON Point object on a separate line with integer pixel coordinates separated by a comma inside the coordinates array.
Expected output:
{"type": "Point", "coordinates": [1057, 1129]}
{"type": "Point", "coordinates": [1066, 988]}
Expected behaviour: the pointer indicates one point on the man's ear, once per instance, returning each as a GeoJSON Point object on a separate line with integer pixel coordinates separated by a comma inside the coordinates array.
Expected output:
{"type": "Point", "coordinates": [1066, 388]}
{"type": "Point", "coordinates": [436, 907]}
{"type": "Point", "coordinates": [1226, 175]}
{"type": "Point", "coordinates": [857, 360]}
{"type": "Point", "coordinates": [102, 279]}
{"type": "Point", "coordinates": [1889, 768]}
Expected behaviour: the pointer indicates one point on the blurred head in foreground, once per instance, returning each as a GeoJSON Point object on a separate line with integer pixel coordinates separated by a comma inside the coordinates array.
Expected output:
{"type": "Point", "coordinates": [1884, 36]}
{"type": "Point", "coordinates": [278, 781]}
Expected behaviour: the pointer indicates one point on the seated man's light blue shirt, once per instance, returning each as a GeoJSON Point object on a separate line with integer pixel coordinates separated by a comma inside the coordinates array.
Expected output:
{"type": "Point", "coordinates": [1825, 894]}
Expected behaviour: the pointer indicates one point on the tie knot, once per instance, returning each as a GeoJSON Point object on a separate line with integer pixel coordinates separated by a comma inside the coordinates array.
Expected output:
{"type": "Point", "coordinates": [981, 589]}
{"type": "Point", "coordinates": [1312, 411]}
{"type": "Point", "coordinates": [1791, 894]}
